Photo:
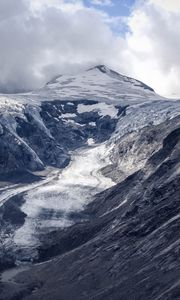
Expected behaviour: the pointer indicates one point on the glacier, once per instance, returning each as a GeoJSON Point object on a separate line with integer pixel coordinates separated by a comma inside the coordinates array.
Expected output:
{"type": "Point", "coordinates": [88, 166]}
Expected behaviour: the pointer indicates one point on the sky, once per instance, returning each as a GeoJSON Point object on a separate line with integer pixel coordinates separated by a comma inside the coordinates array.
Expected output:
{"type": "Point", "coordinates": [43, 38]}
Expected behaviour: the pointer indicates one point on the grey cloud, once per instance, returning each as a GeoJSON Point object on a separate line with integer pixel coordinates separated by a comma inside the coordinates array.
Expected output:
{"type": "Point", "coordinates": [11, 8]}
{"type": "Point", "coordinates": [36, 46]}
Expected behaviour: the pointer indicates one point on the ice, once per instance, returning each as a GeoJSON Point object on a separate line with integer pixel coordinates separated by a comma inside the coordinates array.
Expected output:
{"type": "Point", "coordinates": [89, 84]}
{"type": "Point", "coordinates": [34, 111]}
{"type": "Point", "coordinates": [92, 123]}
{"type": "Point", "coordinates": [144, 114]}
{"type": "Point", "coordinates": [96, 84]}
{"type": "Point", "coordinates": [90, 141]}
{"type": "Point", "coordinates": [68, 115]}
{"type": "Point", "coordinates": [103, 109]}
{"type": "Point", "coordinates": [12, 190]}
{"type": "Point", "coordinates": [50, 204]}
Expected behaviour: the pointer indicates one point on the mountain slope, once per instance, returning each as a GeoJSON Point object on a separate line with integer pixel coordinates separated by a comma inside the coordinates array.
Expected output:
{"type": "Point", "coordinates": [98, 83]}
{"type": "Point", "coordinates": [127, 249]}
{"type": "Point", "coordinates": [89, 174]}
{"type": "Point", "coordinates": [41, 127]}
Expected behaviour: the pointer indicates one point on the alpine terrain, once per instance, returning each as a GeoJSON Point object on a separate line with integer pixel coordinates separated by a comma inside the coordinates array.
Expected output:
{"type": "Point", "coordinates": [90, 191]}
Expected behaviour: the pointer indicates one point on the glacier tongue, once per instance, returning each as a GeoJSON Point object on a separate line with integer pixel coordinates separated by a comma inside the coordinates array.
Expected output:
{"type": "Point", "coordinates": [49, 205]}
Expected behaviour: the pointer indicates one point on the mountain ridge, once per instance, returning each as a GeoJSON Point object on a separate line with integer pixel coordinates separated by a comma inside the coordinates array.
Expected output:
{"type": "Point", "coordinates": [98, 83]}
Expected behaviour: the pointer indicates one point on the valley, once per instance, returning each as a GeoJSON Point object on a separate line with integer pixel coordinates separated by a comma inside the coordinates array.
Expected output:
{"type": "Point", "coordinates": [89, 198]}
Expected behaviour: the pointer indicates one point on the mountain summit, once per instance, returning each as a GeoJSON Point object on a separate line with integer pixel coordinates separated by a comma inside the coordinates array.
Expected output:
{"type": "Point", "coordinates": [104, 69]}
{"type": "Point", "coordinates": [97, 83]}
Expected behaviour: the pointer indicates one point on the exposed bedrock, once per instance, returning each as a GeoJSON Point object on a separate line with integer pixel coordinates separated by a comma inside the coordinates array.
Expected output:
{"type": "Point", "coordinates": [39, 137]}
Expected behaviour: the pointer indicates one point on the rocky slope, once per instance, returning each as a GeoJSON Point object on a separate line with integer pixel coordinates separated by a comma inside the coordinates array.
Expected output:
{"type": "Point", "coordinates": [90, 182]}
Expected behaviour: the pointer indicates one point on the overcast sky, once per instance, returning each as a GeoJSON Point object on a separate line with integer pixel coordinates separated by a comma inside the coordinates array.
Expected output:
{"type": "Point", "coordinates": [43, 38]}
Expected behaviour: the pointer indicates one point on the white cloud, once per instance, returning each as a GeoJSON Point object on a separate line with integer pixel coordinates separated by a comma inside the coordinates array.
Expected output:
{"type": "Point", "coordinates": [102, 2]}
{"type": "Point", "coordinates": [153, 46]}
{"type": "Point", "coordinates": [63, 5]}
{"type": "Point", "coordinates": [169, 5]}
{"type": "Point", "coordinates": [40, 39]}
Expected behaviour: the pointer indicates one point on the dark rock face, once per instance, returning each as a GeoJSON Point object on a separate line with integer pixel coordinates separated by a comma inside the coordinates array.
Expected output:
{"type": "Point", "coordinates": [44, 137]}
{"type": "Point", "coordinates": [127, 244]}
{"type": "Point", "coordinates": [39, 138]}
{"type": "Point", "coordinates": [16, 156]}
{"type": "Point", "coordinates": [130, 152]}
{"type": "Point", "coordinates": [75, 134]}
{"type": "Point", "coordinates": [11, 217]}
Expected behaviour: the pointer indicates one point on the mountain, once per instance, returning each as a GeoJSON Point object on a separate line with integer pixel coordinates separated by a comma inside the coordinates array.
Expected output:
{"type": "Point", "coordinates": [89, 175]}
{"type": "Point", "coordinates": [39, 128]}
{"type": "Point", "coordinates": [99, 83]}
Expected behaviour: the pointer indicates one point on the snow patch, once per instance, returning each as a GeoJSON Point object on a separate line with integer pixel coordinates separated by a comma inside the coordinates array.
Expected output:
{"type": "Point", "coordinates": [92, 123]}
{"type": "Point", "coordinates": [68, 115]}
{"type": "Point", "coordinates": [90, 141]}
{"type": "Point", "coordinates": [103, 109]}
{"type": "Point", "coordinates": [34, 111]}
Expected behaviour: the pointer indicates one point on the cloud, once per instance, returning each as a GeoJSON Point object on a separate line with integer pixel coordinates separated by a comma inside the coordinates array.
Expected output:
{"type": "Point", "coordinates": [63, 5]}
{"type": "Point", "coordinates": [102, 2]}
{"type": "Point", "coordinates": [11, 8]}
{"type": "Point", "coordinates": [153, 44]}
{"type": "Point", "coordinates": [169, 5]}
{"type": "Point", "coordinates": [40, 39]}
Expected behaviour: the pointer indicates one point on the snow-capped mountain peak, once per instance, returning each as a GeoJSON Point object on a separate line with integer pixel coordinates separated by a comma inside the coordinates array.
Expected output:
{"type": "Point", "coordinates": [106, 70]}
{"type": "Point", "coordinates": [98, 83]}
